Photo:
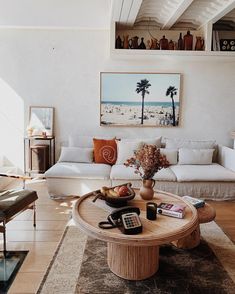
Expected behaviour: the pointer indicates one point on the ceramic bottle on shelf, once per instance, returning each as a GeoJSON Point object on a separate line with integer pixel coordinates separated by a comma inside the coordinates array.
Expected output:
{"type": "Point", "coordinates": [188, 41]}
{"type": "Point", "coordinates": [180, 43]}
{"type": "Point", "coordinates": [164, 45]}
{"type": "Point", "coordinates": [153, 45]}
{"type": "Point", "coordinates": [142, 45]}
{"type": "Point", "coordinates": [126, 42]}
{"type": "Point", "coordinates": [134, 42]}
{"type": "Point", "coordinates": [171, 45]}
{"type": "Point", "coordinates": [118, 43]}
{"type": "Point", "coordinates": [199, 44]}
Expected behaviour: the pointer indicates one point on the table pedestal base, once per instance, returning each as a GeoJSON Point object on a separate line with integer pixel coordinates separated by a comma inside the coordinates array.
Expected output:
{"type": "Point", "coordinates": [133, 262]}
{"type": "Point", "coordinates": [189, 242]}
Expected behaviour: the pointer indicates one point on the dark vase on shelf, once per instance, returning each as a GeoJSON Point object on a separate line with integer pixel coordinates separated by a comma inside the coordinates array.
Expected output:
{"type": "Point", "coordinates": [164, 45]}
{"type": "Point", "coordinates": [118, 43]}
{"type": "Point", "coordinates": [180, 43]}
{"type": "Point", "coordinates": [134, 43]}
{"type": "Point", "coordinates": [142, 45]}
{"type": "Point", "coordinates": [188, 41]}
{"type": "Point", "coordinates": [171, 45]}
{"type": "Point", "coordinates": [199, 44]}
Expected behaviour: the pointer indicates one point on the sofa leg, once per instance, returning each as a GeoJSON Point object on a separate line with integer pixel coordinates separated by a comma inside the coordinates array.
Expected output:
{"type": "Point", "coordinates": [34, 215]}
{"type": "Point", "coordinates": [4, 239]}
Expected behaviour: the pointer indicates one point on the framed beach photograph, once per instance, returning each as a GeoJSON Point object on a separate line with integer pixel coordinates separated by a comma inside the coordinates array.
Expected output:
{"type": "Point", "coordinates": [140, 99]}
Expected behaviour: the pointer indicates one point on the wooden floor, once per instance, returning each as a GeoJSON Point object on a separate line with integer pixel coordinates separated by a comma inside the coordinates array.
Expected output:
{"type": "Point", "coordinates": [225, 216]}
{"type": "Point", "coordinates": [52, 217]}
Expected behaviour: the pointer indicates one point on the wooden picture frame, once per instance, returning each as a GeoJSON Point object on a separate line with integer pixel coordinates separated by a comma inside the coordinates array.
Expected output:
{"type": "Point", "coordinates": [41, 120]}
{"type": "Point", "coordinates": [122, 102]}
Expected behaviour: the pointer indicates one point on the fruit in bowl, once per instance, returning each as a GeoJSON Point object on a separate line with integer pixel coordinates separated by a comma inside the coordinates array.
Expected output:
{"type": "Point", "coordinates": [122, 190]}
{"type": "Point", "coordinates": [115, 196]}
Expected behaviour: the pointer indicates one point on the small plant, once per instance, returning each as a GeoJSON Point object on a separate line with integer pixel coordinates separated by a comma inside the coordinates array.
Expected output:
{"type": "Point", "coordinates": [147, 161]}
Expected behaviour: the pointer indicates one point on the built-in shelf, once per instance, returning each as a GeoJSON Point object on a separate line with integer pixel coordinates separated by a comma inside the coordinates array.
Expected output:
{"type": "Point", "coordinates": [205, 33]}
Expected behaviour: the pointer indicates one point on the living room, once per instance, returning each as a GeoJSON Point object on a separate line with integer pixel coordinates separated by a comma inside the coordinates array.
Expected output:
{"type": "Point", "coordinates": [59, 56]}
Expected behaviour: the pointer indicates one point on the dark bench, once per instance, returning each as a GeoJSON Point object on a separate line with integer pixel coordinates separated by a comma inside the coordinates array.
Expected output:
{"type": "Point", "coordinates": [13, 202]}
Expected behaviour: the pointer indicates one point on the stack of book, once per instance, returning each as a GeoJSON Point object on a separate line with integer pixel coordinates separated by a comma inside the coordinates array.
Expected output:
{"type": "Point", "coordinates": [194, 201]}
{"type": "Point", "coordinates": [174, 210]}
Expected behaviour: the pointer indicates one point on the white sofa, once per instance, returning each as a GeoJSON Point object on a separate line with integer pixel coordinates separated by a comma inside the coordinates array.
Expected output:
{"type": "Point", "coordinates": [209, 181]}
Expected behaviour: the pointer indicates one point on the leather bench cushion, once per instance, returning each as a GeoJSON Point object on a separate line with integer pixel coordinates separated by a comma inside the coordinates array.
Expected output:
{"type": "Point", "coordinates": [13, 201]}
{"type": "Point", "coordinates": [79, 170]}
{"type": "Point", "coordinates": [205, 173]}
{"type": "Point", "coordinates": [121, 172]}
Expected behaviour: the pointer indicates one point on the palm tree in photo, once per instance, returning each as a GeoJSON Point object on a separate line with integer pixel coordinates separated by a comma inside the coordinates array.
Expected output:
{"type": "Point", "coordinates": [172, 91]}
{"type": "Point", "coordinates": [142, 87]}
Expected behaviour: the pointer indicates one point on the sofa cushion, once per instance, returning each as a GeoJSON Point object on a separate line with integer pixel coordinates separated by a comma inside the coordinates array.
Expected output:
{"type": "Point", "coordinates": [177, 143]}
{"type": "Point", "coordinates": [126, 149]}
{"type": "Point", "coordinates": [121, 172]}
{"type": "Point", "coordinates": [79, 170]}
{"type": "Point", "coordinates": [196, 173]}
{"type": "Point", "coordinates": [195, 156]}
{"type": "Point", "coordinates": [76, 154]}
{"type": "Point", "coordinates": [171, 155]}
{"type": "Point", "coordinates": [148, 141]}
{"type": "Point", "coordinates": [105, 151]}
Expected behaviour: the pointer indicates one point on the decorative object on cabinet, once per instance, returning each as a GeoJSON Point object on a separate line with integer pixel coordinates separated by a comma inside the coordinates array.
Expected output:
{"type": "Point", "coordinates": [227, 44]}
{"type": "Point", "coordinates": [142, 45]}
{"type": "Point", "coordinates": [188, 41]}
{"type": "Point", "coordinates": [134, 42]}
{"type": "Point", "coordinates": [164, 45]}
{"type": "Point", "coordinates": [118, 43]}
{"type": "Point", "coordinates": [126, 42]}
{"type": "Point", "coordinates": [139, 99]}
{"type": "Point", "coordinates": [38, 156]}
{"type": "Point", "coordinates": [171, 45]}
{"type": "Point", "coordinates": [41, 120]}
{"type": "Point", "coordinates": [180, 43]}
{"type": "Point", "coordinates": [199, 44]}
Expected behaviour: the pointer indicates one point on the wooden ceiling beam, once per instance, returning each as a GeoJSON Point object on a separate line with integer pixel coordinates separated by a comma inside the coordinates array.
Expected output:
{"type": "Point", "coordinates": [116, 10]}
{"type": "Point", "coordinates": [220, 13]}
{"type": "Point", "coordinates": [125, 11]}
{"type": "Point", "coordinates": [176, 14]}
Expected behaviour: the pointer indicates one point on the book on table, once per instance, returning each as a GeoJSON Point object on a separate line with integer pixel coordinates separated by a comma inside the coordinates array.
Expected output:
{"type": "Point", "coordinates": [169, 209]}
{"type": "Point", "coordinates": [194, 201]}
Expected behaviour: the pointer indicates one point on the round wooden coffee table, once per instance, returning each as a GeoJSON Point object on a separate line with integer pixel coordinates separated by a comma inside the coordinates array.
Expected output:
{"type": "Point", "coordinates": [135, 257]}
{"type": "Point", "coordinates": [206, 214]}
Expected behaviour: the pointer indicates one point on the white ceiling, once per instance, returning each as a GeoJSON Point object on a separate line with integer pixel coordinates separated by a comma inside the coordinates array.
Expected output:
{"type": "Point", "coordinates": [166, 14]}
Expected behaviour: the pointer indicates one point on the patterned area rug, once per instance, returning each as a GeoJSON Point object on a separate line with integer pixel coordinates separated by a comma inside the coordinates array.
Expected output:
{"type": "Point", "coordinates": [79, 266]}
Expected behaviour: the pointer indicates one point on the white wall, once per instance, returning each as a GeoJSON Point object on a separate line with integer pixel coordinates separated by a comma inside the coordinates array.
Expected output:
{"type": "Point", "coordinates": [61, 68]}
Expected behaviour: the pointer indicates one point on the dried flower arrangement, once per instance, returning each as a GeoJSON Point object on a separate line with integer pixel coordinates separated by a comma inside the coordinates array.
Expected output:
{"type": "Point", "coordinates": [147, 161]}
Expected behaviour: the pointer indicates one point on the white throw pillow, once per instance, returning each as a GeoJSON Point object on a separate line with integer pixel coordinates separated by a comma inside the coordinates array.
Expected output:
{"type": "Point", "coordinates": [76, 154]}
{"type": "Point", "coordinates": [189, 144]}
{"type": "Point", "coordinates": [171, 155]}
{"type": "Point", "coordinates": [126, 149]}
{"type": "Point", "coordinates": [195, 156]}
{"type": "Point", "coordinates": [151, 141]}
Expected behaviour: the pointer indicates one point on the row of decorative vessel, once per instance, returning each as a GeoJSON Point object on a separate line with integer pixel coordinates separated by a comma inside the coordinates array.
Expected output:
{"type": "Point", "coordinates": [185, 43]}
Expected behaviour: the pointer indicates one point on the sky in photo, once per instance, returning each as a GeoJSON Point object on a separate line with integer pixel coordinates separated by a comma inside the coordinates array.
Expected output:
{"type": "Point", "coordinates": [122, 87]}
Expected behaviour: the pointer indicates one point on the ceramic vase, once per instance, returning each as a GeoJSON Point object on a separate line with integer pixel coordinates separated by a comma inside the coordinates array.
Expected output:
{"type": "Point", "coordinates": [146, 190]}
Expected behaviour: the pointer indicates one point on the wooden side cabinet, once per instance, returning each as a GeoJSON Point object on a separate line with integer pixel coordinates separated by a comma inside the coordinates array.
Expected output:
{"type": "Point", "coordinates": [39, 154]}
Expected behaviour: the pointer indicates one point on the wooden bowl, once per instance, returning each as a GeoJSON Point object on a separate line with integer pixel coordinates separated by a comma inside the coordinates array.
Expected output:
{"type": "Point", "coordinates": [117, 201]}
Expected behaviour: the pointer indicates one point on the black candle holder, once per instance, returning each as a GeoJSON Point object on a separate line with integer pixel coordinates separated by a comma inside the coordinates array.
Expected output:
{"type": "Point", "coordinates": [151, 210]}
